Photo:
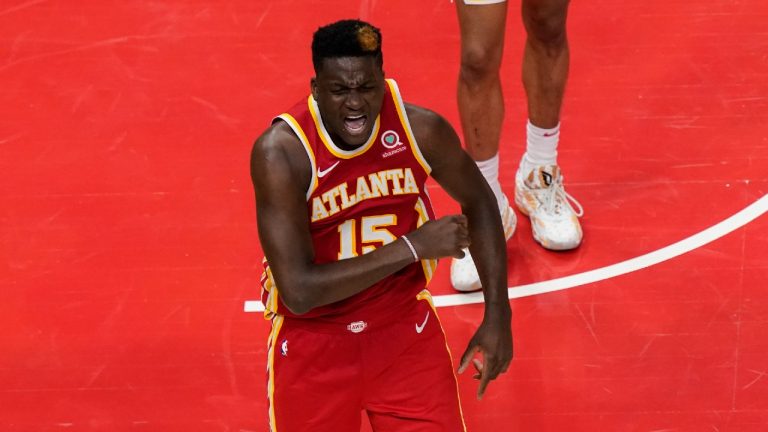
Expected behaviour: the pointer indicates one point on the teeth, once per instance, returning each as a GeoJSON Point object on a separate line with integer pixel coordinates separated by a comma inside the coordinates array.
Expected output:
{"type": "Point", "coordinates": [355, 124]}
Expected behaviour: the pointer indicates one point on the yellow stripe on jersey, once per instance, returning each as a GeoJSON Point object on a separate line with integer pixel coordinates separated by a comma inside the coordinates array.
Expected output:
{"type": "Point", "coordinates": [425, 295]}
{"type": "Point", "coordinates": [268, 285]}
{"type": "Point", "coordinates": [407, 125]}
{"type": "Point", "coordinates": [305, 142]}
{"type": "Point", "coordinates": [326, 137]}
{"type": "Point", "coordinates": [428, 265]}
{"type": "Point", "coordinates": [272, 342]}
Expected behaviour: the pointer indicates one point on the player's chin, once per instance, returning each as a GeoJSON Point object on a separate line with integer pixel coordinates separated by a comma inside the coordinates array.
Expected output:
{"type": "Point", "coordinates": [356, 138]}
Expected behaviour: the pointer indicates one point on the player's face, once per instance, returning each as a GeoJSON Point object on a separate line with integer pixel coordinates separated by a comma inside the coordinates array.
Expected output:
{"type": "Point", "coordinates": [349, 92]}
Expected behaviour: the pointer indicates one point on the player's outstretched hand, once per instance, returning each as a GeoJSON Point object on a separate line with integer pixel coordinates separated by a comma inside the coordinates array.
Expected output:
{"type": "Point", "coordinates": [493, 340]}
{"type": "Point", "coordinates": [440, 238]}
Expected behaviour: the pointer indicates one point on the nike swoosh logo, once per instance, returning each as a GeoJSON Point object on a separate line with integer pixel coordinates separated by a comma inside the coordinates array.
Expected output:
{"type": "Point", "coordinates": [420, 328]}
{"type": "Point", "coordinates": [323, 173]}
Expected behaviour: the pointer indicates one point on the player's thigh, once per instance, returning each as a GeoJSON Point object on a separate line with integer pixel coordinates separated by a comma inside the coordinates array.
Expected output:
{"type": "Point", "coordinates": [314, 382]}
{"type": "Point", "coordinates": [418, 391]}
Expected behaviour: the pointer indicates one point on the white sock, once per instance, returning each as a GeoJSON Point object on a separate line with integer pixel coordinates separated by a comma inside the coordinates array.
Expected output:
{"type": "Point", "coordinates": [490, 170]}
{"type": "Point", "coordinates": [541, 147]}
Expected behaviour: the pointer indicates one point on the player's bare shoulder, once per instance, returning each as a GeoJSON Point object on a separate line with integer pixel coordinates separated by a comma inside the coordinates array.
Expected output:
{"type": "Point", "coordinates": [431, 130]}
{"type": "Point", "coordinates": [278, 148]}
{"type": "Point", "coordinates": [423, 120]}
{"type": "Point", "coordinates": [277, 140]}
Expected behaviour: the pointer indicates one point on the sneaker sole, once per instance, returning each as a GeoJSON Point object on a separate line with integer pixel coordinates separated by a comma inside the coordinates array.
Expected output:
{"type": "Point", "coordinates": [555, 246]}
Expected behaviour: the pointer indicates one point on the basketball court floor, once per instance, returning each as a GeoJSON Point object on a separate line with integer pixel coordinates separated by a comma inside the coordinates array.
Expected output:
{"type": "Point", "coordinates": [130, 262]}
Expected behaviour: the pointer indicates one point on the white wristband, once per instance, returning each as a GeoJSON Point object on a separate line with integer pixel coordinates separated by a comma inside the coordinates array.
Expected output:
{"type": "Point", "coordinates": [413, 250]}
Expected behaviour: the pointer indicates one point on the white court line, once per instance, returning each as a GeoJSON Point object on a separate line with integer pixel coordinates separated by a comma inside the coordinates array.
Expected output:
{"type": "Point", "coordinates": [743, 217]}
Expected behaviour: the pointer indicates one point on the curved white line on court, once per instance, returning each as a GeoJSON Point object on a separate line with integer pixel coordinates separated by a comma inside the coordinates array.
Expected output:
{"type": "Point", "coordinates": [743, 217]}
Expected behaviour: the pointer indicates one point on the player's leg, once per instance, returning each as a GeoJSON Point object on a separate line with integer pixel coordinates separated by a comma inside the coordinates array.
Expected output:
{"type": "Point", "coordinates": [546, 59]}
{"type": "Point", "coordinates": [481, 108]}
{"type": "Point", "coordinates": [480, 98]}
{"type": "Point", "coordinates": [412, 386]}
{"type": "Point", "coordinates": [539, 192]}
{"type": "Point", "coordinates": [313, 381]}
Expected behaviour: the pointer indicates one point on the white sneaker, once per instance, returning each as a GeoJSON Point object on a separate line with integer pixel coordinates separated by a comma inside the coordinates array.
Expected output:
{"type": "Point", "coordinates": [541, 196]}
{"type": "Point", "coordinates": [464, 276]}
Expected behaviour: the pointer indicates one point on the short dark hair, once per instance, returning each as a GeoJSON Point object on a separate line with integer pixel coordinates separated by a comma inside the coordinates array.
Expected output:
{"type": "Point", "coordinates": [346, 38]}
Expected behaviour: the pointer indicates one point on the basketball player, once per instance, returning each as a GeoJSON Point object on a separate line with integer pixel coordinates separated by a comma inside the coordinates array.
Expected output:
{"type": "Point", "coordinates": [351, 242]}
{"type": "Point", "coordinates": [539, 191]}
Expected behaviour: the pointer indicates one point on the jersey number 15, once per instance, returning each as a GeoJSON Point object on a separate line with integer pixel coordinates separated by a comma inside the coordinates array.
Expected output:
{"type": "Point", "coordinates": [372, 233]}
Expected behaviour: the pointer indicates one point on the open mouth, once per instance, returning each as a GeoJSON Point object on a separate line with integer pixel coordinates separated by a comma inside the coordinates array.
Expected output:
{"type": "Point", "coordinates": [355, 124]}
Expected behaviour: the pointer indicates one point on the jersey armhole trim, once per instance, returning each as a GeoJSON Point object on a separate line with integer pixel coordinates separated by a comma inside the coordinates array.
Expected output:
{"type": "Point", "coordinates": [395, 90]}
{"type": "Point", "coordinates": [291, 121]}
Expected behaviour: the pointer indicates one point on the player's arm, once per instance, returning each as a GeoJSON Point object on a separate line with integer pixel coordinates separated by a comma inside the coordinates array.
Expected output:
{"type": "Point", "coordinates": [455, 171]}
{"type": "Point", "coordinates": [281, 173]}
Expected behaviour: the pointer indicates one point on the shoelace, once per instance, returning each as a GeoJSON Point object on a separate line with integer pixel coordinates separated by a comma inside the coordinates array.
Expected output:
{"type": "Point", "coordinates": [556, 198]}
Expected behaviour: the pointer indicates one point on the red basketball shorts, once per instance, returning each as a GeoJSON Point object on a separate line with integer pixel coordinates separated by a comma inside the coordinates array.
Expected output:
{"type": "Point", "coordinates": [397, 369]}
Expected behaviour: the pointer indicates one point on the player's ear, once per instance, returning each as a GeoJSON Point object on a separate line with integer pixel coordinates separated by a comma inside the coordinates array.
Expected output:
{"type": "Point", "coordinates": [313, 87]}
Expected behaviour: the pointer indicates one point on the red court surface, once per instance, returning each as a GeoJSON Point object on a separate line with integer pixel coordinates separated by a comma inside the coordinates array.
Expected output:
{"type": "Point", "coordinates": [128, 244]}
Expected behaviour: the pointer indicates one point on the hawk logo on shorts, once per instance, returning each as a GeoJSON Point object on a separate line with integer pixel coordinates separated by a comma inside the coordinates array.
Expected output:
{"type": "Point", "coordinates": [357, 326]}
{"type": "Point", "coordinates": [284, 348]}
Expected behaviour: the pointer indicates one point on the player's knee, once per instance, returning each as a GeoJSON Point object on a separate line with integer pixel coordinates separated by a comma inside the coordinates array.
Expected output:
{"type": "Point", "coordinates": [479, 63]}
{"type": "Point", "coordinates": [546, 25]}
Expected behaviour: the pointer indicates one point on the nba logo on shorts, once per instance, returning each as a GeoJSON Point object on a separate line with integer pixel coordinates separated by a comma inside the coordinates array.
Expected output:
{"type": "Point", "coordinates": [284, 347]}
{"type": "Point", "coordinates": [357, 326]}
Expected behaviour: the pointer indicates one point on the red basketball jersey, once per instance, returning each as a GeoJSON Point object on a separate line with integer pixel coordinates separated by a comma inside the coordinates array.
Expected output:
{"type": "Point", "coordinates": [359, 200]}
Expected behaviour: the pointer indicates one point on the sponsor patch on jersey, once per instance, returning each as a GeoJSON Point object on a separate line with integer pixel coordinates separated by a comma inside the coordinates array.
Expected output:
{"type": "Point", "coordinates": [390, 139]}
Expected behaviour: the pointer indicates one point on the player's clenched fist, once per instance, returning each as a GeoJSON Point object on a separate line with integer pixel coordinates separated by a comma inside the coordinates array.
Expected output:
{"type": "Point", "coordinates": [440, 238]}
